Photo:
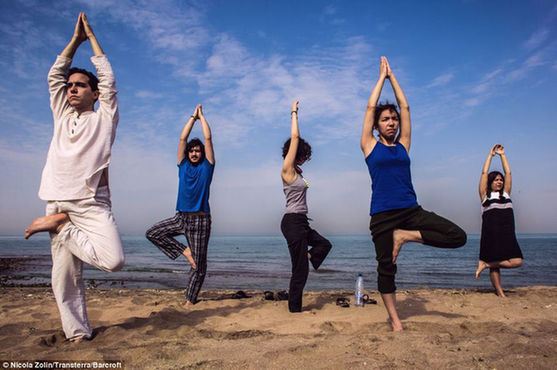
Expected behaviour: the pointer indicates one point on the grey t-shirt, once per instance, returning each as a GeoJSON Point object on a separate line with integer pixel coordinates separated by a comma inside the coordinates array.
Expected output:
{"type": "Point", "coordinates": [296, 195]}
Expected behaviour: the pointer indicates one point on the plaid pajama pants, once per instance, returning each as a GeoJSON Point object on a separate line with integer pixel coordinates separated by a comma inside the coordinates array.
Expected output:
{"type": "Point", "coordinates": [197, 229]}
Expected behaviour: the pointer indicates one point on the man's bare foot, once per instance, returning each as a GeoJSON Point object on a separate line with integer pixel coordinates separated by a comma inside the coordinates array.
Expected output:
{"type": "Point", "coordinates": [52, 223]}
{"type": "Point", "coordinates": [481, 266]}
{"type": "Point", "coordinates": [77, 340]}
{"type": "Point", "coordinates": [396, 326]}
{"type": "Point", "coordinates": [500, 294]}
{"type": "Point", "coordinates": [308, 312]}
{"type": "Point", "coordinates": [189, 257]}
{"type": "Point", "coordinates": [188, 304]}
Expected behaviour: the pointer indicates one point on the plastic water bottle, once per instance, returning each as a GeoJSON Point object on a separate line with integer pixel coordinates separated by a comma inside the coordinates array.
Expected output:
{"type": "Point", "coordinates": [358, 296]}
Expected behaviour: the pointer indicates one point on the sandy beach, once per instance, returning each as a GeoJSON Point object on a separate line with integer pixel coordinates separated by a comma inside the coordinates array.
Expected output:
{"type": "Point", "coordinates": [445, 328]}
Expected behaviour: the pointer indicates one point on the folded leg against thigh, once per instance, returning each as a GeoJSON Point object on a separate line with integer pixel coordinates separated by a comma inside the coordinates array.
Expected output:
{"type": "Point", "coordinates": [163, 232]}
{"type": "Point", "coordinates": [320, 248]}
{"type": "Point", "coordinates": [436, 231]}
{"type": "Point", "coordinates": [92, 235]}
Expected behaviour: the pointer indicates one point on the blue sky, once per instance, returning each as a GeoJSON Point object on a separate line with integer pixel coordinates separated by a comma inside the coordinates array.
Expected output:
{"type": "Point", "coordinates": [474, 73]}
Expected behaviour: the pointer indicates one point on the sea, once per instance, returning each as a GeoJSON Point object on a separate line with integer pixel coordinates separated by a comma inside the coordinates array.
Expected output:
{"type": "Point", "coordinates": [262, 262]}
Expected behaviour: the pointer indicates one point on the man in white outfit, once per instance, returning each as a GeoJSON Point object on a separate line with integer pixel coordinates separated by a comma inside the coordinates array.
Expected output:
{"type": "Point", "coordinates": [75, 179]}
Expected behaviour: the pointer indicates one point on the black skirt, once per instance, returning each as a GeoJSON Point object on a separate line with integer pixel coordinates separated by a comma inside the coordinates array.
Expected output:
{"type": "Point", "coordinates": [498, 241]}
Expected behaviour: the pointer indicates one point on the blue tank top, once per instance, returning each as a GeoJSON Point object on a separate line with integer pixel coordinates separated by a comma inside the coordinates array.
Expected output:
{"type": "Point", "coordinates": [193, 189]}
{"type": "Point", "coordinates": [391, 182]}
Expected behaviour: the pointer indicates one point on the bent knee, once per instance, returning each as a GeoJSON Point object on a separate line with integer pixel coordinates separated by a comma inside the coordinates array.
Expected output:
{"type": "Point", "coordinates": [517, 262]}
{"type": "Point", "coordinates": [459, 237]}
{"type": "Point", "coordinates": [150, 234]}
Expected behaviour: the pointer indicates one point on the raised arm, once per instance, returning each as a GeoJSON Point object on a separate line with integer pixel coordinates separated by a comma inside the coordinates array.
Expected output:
{"type": "Point", "coordinates": [288, 172]}
{"type": "Point", "coordinates": [405, 128]}
{"type": "Point", "coordinates": [209, 152]}
{"type": "Point", "coordinates": [185, 134]}
{"type": "Point", "coordinates": [482, 187]}
{"type": "Point", "coordinates": [78, 38]}
{"type": "Point", "coordinates": [500, 150]}
{"type": "Point", "coordinates": [108, 102]}
{"type": "Point", "coordinates": [368, 141]}
{"type": "Point", "coordinates": [57, 76]}
{"type": "Point", "coordinates": [97, 50]}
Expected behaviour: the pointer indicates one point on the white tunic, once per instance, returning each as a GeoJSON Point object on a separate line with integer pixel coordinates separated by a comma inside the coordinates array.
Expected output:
{"type": "Point", "coordinates": [81, 145]}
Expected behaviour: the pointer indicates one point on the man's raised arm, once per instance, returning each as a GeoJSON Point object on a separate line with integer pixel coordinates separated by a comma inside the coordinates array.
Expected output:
{"type": "Point", "coordinates": [57, 76]}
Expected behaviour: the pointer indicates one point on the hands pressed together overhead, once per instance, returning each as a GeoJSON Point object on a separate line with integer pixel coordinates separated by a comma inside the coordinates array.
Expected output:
{"type": "Point", "coordinates": [384, 68]}
{"type": "Point", "coordinates": [82, 32]}
{"type": "Point", "coordinates": [498, 149]}
{"type": "Point", "coordinates": [198, 112]}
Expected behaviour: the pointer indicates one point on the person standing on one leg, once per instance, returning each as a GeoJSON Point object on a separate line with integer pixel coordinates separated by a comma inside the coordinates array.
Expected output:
{"type": "Point", "coordinates": [196, 162]}
{"type": "Point", "coordinates": [295, 225]}
{"type": "Point", "coordinates": [75, 179]}
{"type": "Point", "coordinates": [396, 217]}
{"type": "Point", "coordinates": [498, 245]}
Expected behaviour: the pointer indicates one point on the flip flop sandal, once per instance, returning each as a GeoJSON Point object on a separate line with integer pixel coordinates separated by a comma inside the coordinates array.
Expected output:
{"type": "Point", "coordinates": [282, 295]}
{"type": "Point", "coordinates": [240, 294]}
{"type": "Point", "coordinates": [343, 302]}
{"type": "Point", "coordinates": [367, 300]}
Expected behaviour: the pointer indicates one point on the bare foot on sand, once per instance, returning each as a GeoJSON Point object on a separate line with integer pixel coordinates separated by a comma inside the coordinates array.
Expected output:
{"type": "Point", "coordinates": [308, 312]}
{"type": "Point", "coordinates": [396, 326]}
{"type": "Point", "coordinates": [52, 223]}
{"type": "Point", "coordinates": [188, 304]}
{"type": "Point", "coordinates": [77, 340]}
{"type": "Point", "coordinates": [481, 266]}
{"type": "Point", "coordinates": [189, 257]}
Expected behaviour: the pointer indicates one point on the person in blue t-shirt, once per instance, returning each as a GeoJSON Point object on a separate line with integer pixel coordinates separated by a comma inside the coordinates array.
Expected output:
{"type": "Point", "coordinates": [396, 217]}
{"type": "Point", "coordinates": [196, 161]}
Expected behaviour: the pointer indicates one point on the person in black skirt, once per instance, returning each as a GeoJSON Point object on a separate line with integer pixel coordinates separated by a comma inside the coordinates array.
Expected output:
{"type": "Point", "coordinates": [498, 245]}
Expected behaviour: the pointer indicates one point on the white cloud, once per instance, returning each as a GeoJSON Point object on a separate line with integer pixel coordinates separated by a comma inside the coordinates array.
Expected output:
{"type": "Point", "coordinates": [472, 102]}
{"type": "Point", "coordinates": [144, 94]}
{"type": "Point", "coordinates": [262, 88]}
{"type": "Point", "coordinates": [537, 38]}
{"type": "Point", "coordinates": [535, 60]}
{"type": "Point", "coordinates": [442, 79]}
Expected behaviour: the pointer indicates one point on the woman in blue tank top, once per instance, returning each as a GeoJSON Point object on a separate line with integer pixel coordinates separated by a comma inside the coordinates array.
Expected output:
{"type": "Point", "coordinates": [295, 224]}
{"type": "Point", "coordinates": [396, 217]}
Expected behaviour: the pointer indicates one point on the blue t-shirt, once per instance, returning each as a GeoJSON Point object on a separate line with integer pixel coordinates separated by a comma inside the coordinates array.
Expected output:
{"type": "Point", "coordinates": [391, 182]}
{"type": "Point", "coordinates": [193, 189]}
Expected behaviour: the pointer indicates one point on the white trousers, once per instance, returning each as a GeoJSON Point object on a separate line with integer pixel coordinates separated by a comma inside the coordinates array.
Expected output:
{"type": "Point", "coordinates": [91, 236]}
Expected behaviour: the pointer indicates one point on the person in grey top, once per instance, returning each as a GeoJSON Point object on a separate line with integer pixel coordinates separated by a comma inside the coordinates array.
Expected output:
{"type": "Point", "coordinates": [295, 226]}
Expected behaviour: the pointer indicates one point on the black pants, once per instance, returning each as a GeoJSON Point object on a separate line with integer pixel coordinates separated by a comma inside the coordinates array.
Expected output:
{"type": "Point", "coordinates": [298, 234]}
{"type": "Point", "coordinates": [436, 231]}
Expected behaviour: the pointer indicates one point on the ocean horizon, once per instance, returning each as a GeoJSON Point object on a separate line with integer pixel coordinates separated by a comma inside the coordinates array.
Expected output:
{"type": "Point", "coordinates": [245, 262]}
